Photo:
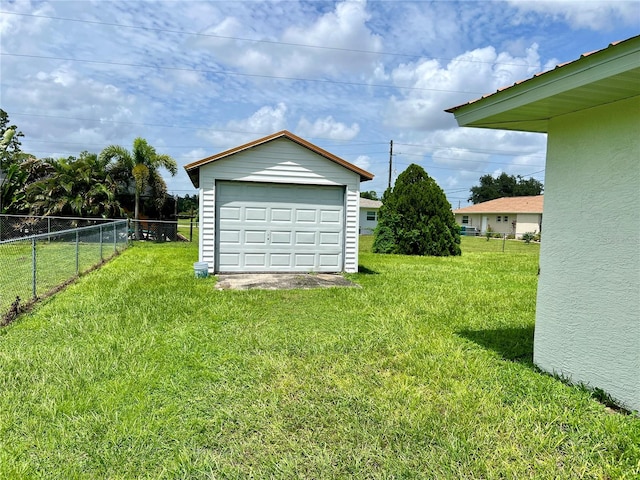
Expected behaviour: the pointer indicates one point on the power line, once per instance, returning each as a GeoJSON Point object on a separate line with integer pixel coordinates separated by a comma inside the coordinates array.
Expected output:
{"type": "Point", "coordinates": [249, 40]}
{"type": "Point", "coordinates": [235, 74]}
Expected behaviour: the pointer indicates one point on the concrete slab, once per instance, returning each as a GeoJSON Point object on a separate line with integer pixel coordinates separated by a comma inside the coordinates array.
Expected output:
{"type": "Point", "coordinates": [281, 281]}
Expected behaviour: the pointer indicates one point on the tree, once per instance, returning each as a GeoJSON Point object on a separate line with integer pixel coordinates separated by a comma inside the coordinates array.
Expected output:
{"type": "Point", "coordinates": [416, 218]}
{"type": "Point", "coordinates": [371, 195]}
{"type": "Point", "coordinates": [10, 157]}
{"type": "Point", "coordinates": [141, 165]}
{"type": "Point", "coordinates": [80, 186]}
{"type": "Point", "coordinates": [504, 185]}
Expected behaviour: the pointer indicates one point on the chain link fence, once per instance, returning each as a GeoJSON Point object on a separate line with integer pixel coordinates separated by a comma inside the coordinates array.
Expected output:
{"type": "Point", "coordinates": [19, 226]}
{"type": "Point", "coordinates": [36, 265]}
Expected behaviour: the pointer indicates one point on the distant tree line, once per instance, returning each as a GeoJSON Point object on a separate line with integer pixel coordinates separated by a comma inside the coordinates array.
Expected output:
{"type": "Point", "coordinates": [504, 185]}
{"type": "Point", "coordinates": [114, 183]}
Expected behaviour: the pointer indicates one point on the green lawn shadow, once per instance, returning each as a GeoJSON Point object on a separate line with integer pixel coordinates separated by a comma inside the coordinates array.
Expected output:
{"type": "Point", "coordinates": [514, 344]}
{"type": "Point", "coordinates": [366, 271]}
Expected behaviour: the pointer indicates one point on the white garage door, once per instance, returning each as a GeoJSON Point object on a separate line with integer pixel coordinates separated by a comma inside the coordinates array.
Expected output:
{"type": "Point", "coordinates": [263, 227]}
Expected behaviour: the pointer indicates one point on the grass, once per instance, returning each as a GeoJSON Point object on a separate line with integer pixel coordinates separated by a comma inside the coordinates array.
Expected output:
{"type": "Point", "coordinates": [140, 370]}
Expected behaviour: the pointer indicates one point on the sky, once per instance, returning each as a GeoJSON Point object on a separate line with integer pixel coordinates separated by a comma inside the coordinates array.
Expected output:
{"type": "Point", "coordinates": [196, 78]}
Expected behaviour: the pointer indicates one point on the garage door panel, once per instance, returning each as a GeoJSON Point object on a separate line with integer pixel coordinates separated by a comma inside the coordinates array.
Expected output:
{"type": "Point", "coordinates": [229, 259]}
{"type": "Point", "coordinates": [230, 236]}
{"type": "Point", "coordinates": [305, 238]}
{"type": "Point", "coordinates": [330, 216]}
{"type": "Point", "coordinates": [230, 213]}
{"type": "Point", "coordinates": [263, 227]}
{"type": "Point", "coordinates": [305, 216]}
{"type": "Point", "coordinates": [255, 214]}
{"type": "Point", "coordinates": [281, 238]}
{"type": "Point", "coordinates": [252, 237]}
{"type": "Point", "coordinates": [305, 260]}
{"type": "Point", "coordinates": [280, 260]}
{"type": "Point", "coordinates": [281, 214]}
{"type": "Point", "coordinates": [329, 260]}
{"type": "Point", "coordinates": [329, 239]}
{"type": "Point", "coordinates": [255, 260]}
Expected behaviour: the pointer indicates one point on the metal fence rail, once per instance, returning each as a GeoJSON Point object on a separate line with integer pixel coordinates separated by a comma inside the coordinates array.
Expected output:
{"type": "Point", "coordinates": [33, 266]}
{"type": "Point", "coordinates": [18, 226]}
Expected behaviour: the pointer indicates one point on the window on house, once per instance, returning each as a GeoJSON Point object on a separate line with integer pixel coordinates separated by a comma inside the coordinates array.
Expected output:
{"type": "Point", "coordinates": [465, 219]}
{"type": "Point", "coordinates": [506, 218]}
{"type": "Point", "coordinates": [372, 215]}
{"type": "Point", "coordinates": [498, 218]}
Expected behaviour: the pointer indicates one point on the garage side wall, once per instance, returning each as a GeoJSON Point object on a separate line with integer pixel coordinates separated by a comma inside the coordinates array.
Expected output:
{"type": "Point", "coordinates": [279, 161]}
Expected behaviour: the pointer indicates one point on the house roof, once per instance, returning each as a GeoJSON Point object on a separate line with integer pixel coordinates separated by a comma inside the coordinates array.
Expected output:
{"type": "Point", "coordinates": [596, 78]}
{"type": "Point", "coordinates": [531, 204]}
{"type": "Point", "coordinates": [366, 203]}
{"type": "Point", "coordinates": [192, 168]}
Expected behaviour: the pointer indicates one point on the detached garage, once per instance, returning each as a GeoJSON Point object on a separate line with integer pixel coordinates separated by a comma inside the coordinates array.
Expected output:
{"type": "Point", "coordinates": [278, 204]}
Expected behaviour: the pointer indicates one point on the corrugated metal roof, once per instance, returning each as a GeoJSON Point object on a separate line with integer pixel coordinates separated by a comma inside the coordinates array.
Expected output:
{"type": "Point", "coordinates": [596, 78]}
{"type": "Point", "coordinates": [532, 204]}
{"type": "Point", "coordinates": [192, 168]}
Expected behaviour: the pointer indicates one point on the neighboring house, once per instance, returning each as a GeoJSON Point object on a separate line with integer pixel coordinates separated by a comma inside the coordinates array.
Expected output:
{"type": "Point", "coordinates": [368, 215]}
{"type": "Point", "coordinates": [278, 204]}
{"type": "Point", "coordinates": [588, 306]}
{"type": "Point", "coordinates": [510, 215]}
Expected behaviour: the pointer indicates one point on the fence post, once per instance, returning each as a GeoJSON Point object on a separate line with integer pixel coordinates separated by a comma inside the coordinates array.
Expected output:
{"type": "Point", "coordinates": [504, 240]}
{"type": "Point", "coordinates": [191, 229]}
{"type": "Point", "coordinates": [115, 238]}
{"type": "Point", "coordinates": [101, 258]}
{"type": "Point", "coordinates": [77, 252]}
{"type": "Point", "coordinates": [33, 268]}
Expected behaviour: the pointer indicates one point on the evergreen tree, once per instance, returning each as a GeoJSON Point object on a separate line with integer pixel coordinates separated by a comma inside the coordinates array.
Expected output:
{"type": "Point", "coordinates": [416, 218]}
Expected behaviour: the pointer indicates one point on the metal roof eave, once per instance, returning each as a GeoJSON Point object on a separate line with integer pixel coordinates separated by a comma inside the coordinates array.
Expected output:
{"type": "Point", "coordinates": [506, 108]}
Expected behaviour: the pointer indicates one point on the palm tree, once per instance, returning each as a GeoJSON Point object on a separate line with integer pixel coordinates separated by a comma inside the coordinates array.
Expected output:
{"type": "Point", "coordinates": [142, 164]}
{"type": "Point", "coordinates": [80, 186]}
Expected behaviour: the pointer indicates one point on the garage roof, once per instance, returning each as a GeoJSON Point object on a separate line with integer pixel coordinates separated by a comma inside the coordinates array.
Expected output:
{"type": "Point", "coordinates": [192, 168]}
{"type": "Point", "coordinates": [596, 78]}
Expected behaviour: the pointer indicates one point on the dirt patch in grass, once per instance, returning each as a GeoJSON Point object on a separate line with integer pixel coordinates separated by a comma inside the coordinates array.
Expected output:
{"type": "Point", "coordinates": [281, 281]}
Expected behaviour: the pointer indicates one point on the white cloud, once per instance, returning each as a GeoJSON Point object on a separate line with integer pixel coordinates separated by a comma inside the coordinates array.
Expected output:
{"type": "Point", "coordinates": [338, 32]}
{"type": "Point", "coordinates": [593, 14]}
{"type": "Point", "coordinates": [327, 128]}
{"type": "Point", "coordinates": [435, 88]}
{"type": "Point", "coordinates": [264, 121]}
{"type": "Point", "coordinates": [363, 161]}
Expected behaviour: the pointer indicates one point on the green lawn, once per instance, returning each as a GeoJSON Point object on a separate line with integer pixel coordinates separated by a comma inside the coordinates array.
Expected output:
{"type": "Point", "coordinates": [139, 370]}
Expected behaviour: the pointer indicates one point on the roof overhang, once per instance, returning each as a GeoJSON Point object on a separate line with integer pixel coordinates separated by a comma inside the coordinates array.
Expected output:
{"type": "Point", "coordinates": [194, 167]}
{"type": "Point", "coordinates": [598, 78]}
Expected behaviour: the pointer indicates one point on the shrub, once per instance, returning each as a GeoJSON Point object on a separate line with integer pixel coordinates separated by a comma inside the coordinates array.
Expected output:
{"type": "Point", "coordinates": [416, 218]}
{"type": "Point", "coordinates": [528, 236]}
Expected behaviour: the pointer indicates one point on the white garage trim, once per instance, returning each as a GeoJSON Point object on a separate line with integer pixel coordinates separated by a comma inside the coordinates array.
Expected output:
{"type": "Point", "coordinates": [271, 227]}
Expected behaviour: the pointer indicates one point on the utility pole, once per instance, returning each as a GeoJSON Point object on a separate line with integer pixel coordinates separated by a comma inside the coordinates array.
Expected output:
{"type": "Point", "coordinates": [390, 160]}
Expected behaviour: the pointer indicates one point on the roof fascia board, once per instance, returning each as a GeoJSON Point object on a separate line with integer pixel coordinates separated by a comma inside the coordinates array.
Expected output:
{"type": "Point", "coordinates": [586, 70]}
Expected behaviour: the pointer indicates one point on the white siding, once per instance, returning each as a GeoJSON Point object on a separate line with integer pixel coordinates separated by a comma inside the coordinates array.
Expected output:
{"type": "Point", "coordinates": [279, 161]}
{"type": "Point", "coordinates": [587, 318]}
{"type": "Point", "coordinates": [367, 226]}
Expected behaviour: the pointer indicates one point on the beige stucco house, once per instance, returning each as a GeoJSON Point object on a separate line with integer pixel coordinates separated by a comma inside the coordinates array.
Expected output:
{"type": "Point", "coordinates": [588, 307]}
{"type": "Point", "coordinates": [508, 215]}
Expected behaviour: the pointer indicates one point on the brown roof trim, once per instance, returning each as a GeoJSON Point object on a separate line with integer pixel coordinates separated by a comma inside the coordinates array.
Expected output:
{"type": "Point", "coordinates": [192, 168]}
{"type": "Point", "coordinates": [538, 75]}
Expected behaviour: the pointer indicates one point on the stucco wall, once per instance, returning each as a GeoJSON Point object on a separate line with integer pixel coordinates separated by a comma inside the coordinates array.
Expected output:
{"type": "Point", "coordinates": [278, 161]}
{"type": "Point", "coordinates": [528, 222]}
{"type": "Point", "coordinates": [588, 309]}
